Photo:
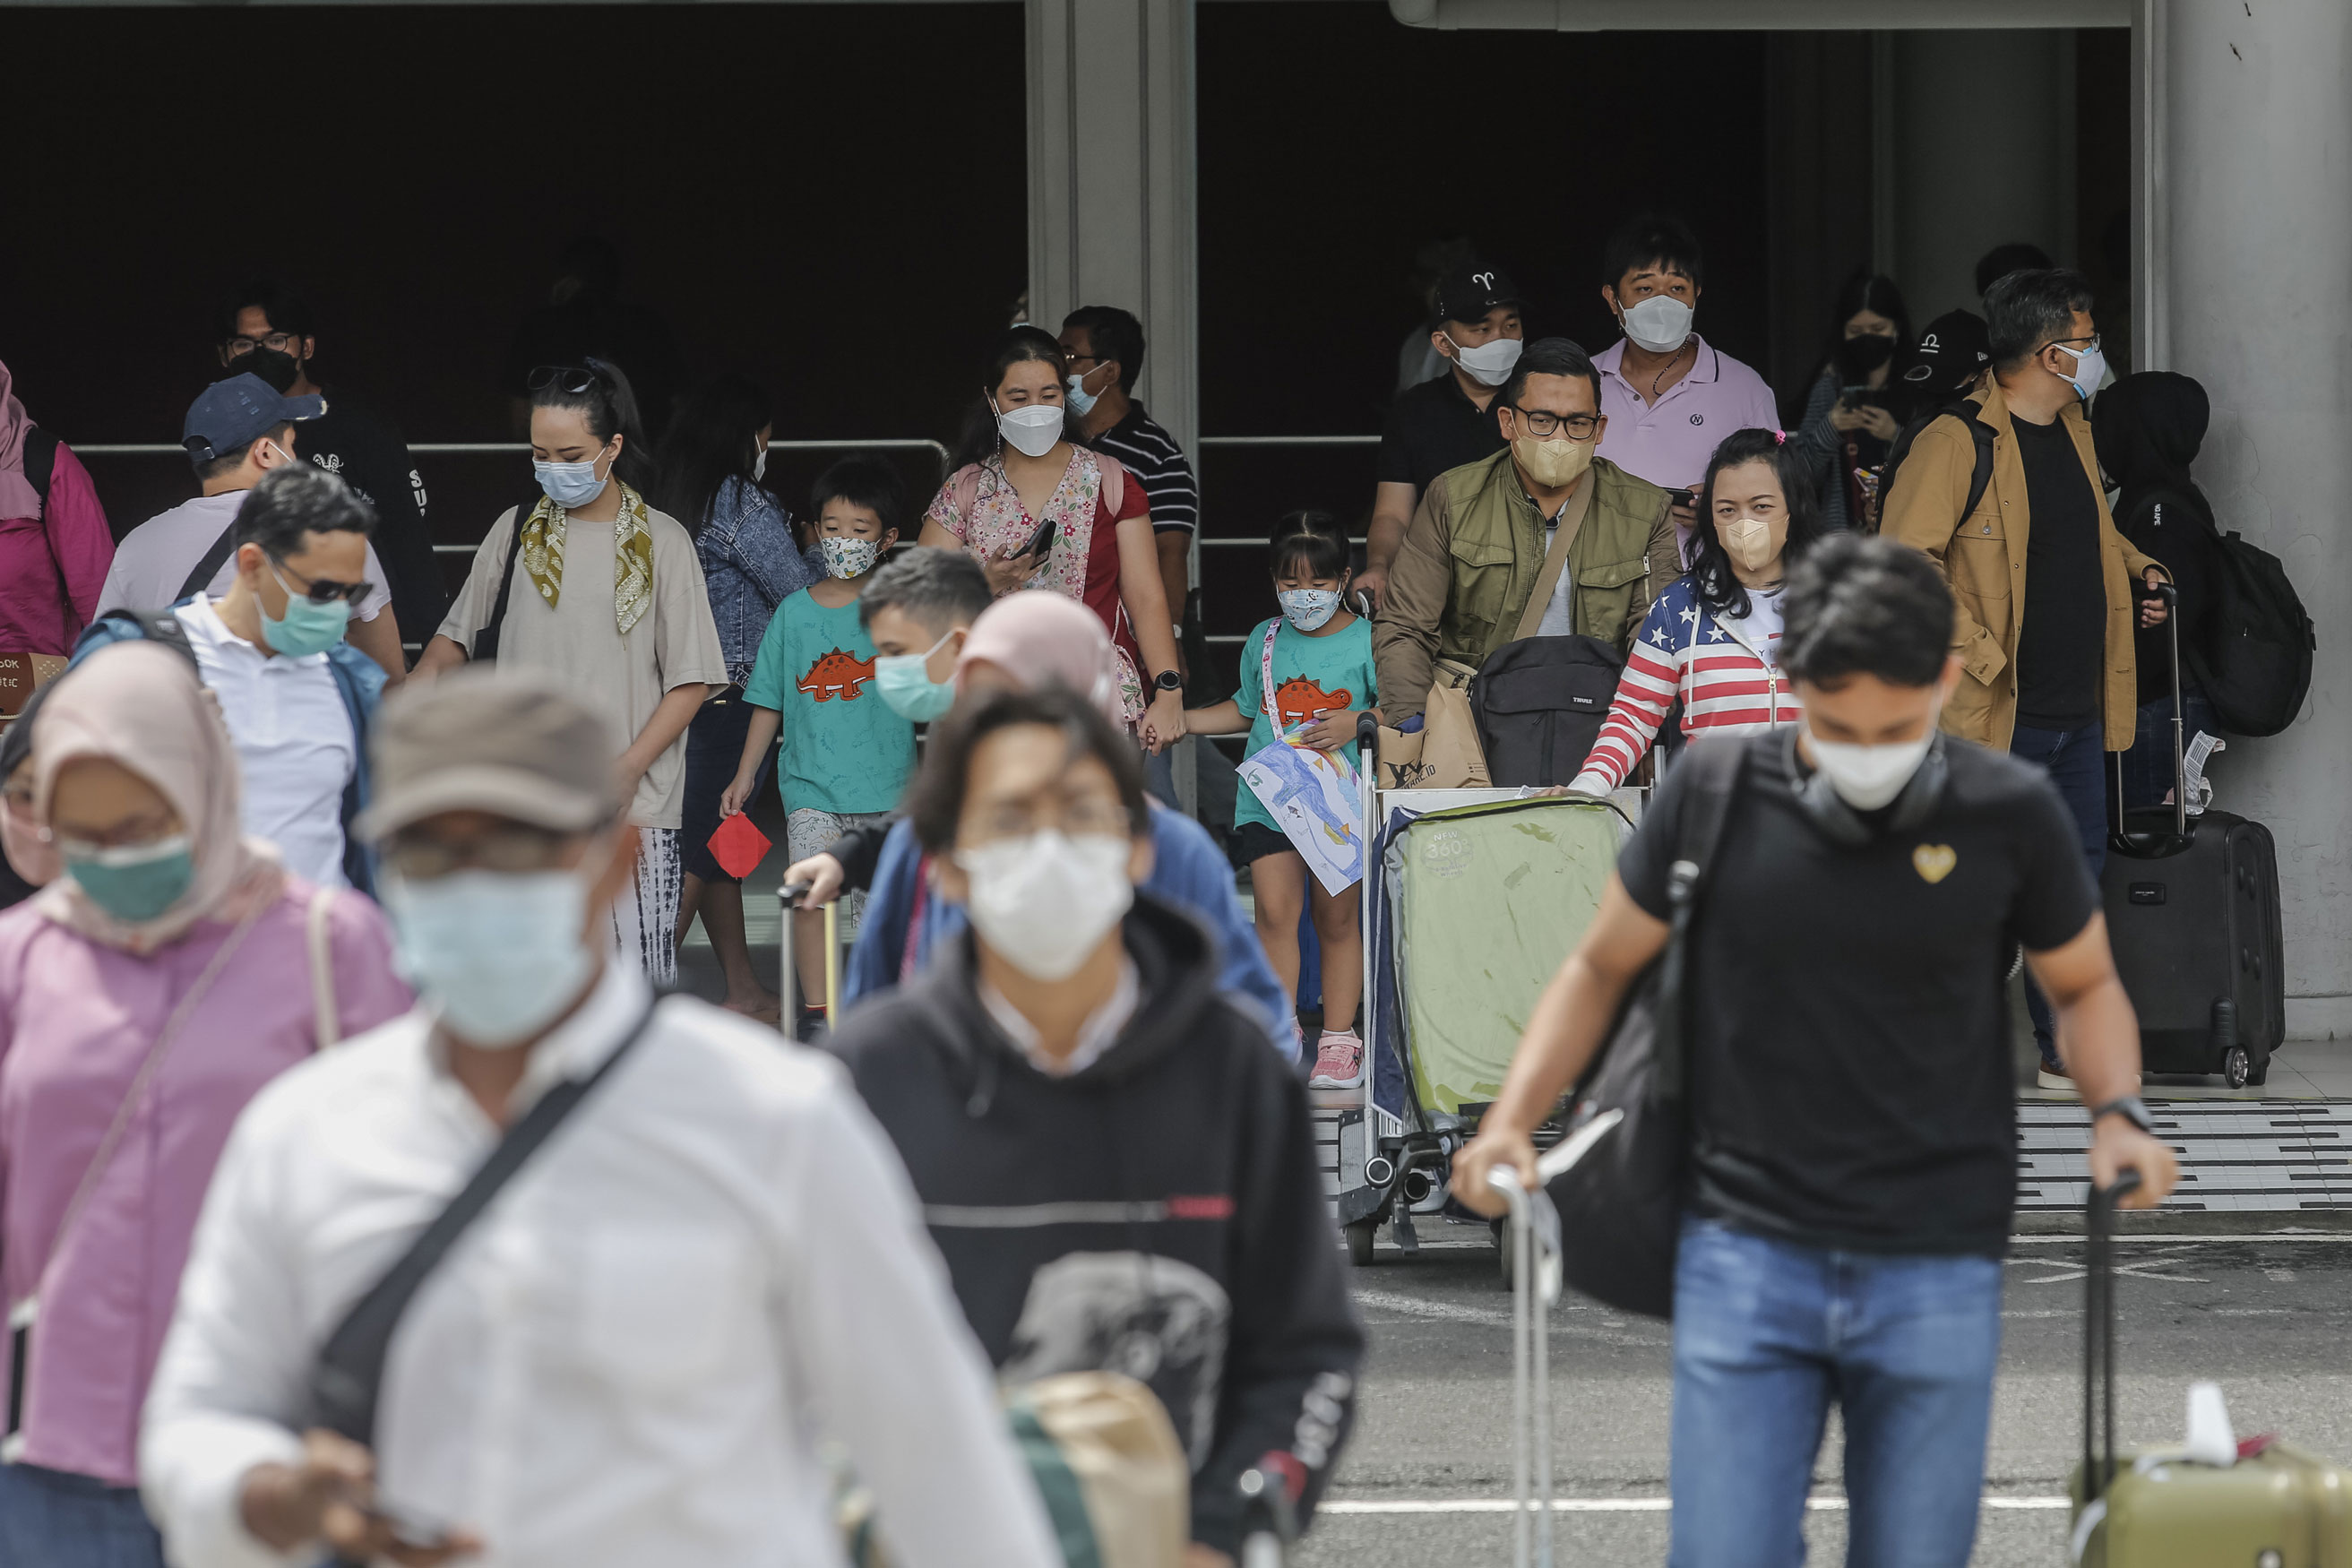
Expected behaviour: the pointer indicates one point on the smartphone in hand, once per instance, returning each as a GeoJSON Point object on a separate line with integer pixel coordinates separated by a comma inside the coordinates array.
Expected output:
{"type": "Point", "coordinates": [1041, 542]}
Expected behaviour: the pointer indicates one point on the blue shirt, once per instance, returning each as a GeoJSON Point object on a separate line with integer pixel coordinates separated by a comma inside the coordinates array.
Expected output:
{"type": "Point", "coordinates": [1188, 870]}
{"type": "Point", "coordinates": [749, 567]}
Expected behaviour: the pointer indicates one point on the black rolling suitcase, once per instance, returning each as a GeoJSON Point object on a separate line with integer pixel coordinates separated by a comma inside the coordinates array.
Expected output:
{"type": "Point", "coordinates": [2192, 909]}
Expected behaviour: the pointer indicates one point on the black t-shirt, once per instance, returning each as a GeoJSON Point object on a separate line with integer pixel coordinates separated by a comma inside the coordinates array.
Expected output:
{"type": "Point", "coordinates": [1849, 1062]}
{"type": "Point", "coordinates": [1432, 427]}
{"type": "Point", "coordinates": [360, 446]}
{"type": "Point", "coordinates": [2061, 645]}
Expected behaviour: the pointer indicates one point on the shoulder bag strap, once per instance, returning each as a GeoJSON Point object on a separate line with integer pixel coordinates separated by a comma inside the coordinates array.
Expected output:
{"type": "Point", "coordinates": [1571, 518]}
{"type": "Point", "coordinates": [320, 938]}
{"type": "Point", "coordinates": [1271, 707]}
{"type": "Point", "coordinates": [209, 567]}
{"type": "Point", "coordinates": [1716, 772]}
{"type": "Point", "coordinates": [349, 1374]}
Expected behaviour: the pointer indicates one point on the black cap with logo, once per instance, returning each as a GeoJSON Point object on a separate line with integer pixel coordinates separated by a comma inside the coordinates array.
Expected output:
{"type": "Point", "coordinates": [1466, 295]}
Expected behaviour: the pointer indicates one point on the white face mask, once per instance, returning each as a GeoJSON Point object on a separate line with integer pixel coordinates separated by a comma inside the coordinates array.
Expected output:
{"type": "Point", "coordinates": [1045, 902]}
{"type": "Point", "coordinates": [498, 953]}
{"type": "Point", "coordinates": [1490, 362]}
{"type": "Point", "coordinates": [1867, 777]}
{"type": "Point", "coordinates": [1030, 430]}
{"type": "Point", "coordinates": [1660, 323]}
{"type": "Point", "coordinates": [760, 465]}
{"type": "Point", "coordinates": [2089, 369]}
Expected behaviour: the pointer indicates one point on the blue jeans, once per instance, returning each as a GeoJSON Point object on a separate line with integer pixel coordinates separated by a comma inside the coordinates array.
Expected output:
{"type": "Point", "coordinates": [1766, 1334]}
{"type": "Point", "coordinates": [52, 1519]}
{"type": "Point", "coordinates": [2077, 762]}
{"type": "Point", "coordinates": [2147, 766]}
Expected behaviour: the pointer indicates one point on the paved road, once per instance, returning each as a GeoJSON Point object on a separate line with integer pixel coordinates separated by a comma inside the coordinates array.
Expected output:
{"type": "Point", "coordinates": [2271, 1322]}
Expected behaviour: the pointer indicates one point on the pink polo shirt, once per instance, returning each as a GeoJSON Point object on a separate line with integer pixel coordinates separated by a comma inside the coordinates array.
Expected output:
{"type": "Point", "coordinates": [1669, 442]}
{"type": "Point", "coordinates": [77, 1019]}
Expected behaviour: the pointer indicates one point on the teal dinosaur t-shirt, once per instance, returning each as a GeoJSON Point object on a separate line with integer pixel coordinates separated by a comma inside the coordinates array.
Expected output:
{"type": "Point", "coordinates": [1313, 677]}
{"type": "Point", "coordinates": [841, 748]}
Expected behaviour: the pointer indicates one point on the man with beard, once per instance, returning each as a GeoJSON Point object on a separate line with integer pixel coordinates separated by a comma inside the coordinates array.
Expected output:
{"type": "Point", "coordinates": [265, 328]}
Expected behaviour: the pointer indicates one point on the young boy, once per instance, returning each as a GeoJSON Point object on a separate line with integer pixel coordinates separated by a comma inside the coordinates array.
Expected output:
{"type": "Point", "coordinates": [846, 753]}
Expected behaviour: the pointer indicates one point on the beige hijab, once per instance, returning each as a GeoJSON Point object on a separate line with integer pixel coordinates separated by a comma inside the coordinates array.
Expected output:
{"type": "Point", "coordinates": [141, 705]}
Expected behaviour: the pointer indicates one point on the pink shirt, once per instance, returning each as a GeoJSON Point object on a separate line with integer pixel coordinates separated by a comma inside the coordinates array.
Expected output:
{"type": "Point", "coordinates": [1669, 442]}
{"type": "Point", "coordinates": [52, 567]}
{"type": "Point", "coordinates": [77, 1020]}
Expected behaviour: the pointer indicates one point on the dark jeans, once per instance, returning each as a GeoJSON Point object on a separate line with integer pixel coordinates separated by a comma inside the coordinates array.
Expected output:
{"type": "Point", "coordinates": [53, 1519]}
{"type": "Point", "coordinates": [2147, 766]}
{"type": "Point", "coordinates": [2077, 762]}
{"type": "Point", "coordinates": [714, 746]}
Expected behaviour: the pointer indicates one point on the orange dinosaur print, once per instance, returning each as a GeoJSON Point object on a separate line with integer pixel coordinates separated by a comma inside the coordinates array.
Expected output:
{"type": "Point", "coordinates": [837, 674]}
{"type": "Point", "coordinates": [1299, 701]}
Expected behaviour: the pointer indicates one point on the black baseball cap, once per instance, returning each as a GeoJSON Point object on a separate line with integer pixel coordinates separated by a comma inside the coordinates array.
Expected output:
{"type": "Point", "coordinates": [1466, 295]}
{"type": "Point", "coordinates": [1955, 346]}
{"type": "Point", "coordinates": [230, 416]}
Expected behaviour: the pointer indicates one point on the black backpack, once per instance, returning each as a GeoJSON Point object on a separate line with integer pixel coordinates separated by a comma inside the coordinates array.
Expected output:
{"type": "Point", "coordinates": [1979, 478]}
{"type": "Point", "coordinates": [1539, 704]}
{"type": "Point", "coordinates": [40, 460]}
{"type": "Point", "coordinates": [2253, 657]}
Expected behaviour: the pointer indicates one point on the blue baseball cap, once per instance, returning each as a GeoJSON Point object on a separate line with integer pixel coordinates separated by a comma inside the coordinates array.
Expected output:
{"type": "Point", "coordinates": [230, 416]}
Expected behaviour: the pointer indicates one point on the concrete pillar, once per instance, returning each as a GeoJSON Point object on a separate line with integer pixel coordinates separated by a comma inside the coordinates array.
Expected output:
{"type": "Point", "coordinates": [1111, 183]}
{"type": "Point", "coordinates": [2244, 167]}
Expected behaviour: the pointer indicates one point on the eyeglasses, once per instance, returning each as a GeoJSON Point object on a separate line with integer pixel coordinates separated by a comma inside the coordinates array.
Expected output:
{"type": "Point", "coordinates": [1580, 427]}
{"type": "Point", "coordinates": [514, 849]}
{"type": "Point", "coordinates": [276, 342]}
{"type": "Point", "coordinates": [321, 590]}
{"type": "Point", "coordinates": [2091, 343]}
{"type": "Point", "coordinates": [571, 378]}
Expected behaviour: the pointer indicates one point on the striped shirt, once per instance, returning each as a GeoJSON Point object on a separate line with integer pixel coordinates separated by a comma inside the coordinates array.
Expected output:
{"type": "Point", "coordinates": [1152, 455]}
{"type": "Point", "coordinates": [1725, 670]}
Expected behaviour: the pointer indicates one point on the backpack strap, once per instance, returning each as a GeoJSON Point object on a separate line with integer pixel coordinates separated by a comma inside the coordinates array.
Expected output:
{"type": "Point", "coordinates": [963, 489]}
{"type": "Point", "coordinates": [132, 625]}
{"type": "Point", "coordinates": [1981, 476]}
{"type": "Point", "coordinates": [40, 460]}
{"type": "Point", "coordinates": [487, 636]}
{"type": "Point", "coordinates": [1114, 483]}
{"type": "Point", "coordinates": [1716, 766]}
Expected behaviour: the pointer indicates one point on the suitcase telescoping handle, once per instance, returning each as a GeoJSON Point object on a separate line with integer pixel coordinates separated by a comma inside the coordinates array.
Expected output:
{"type": "Point", "coordinates": [2171, 597]}
{"type": "Point", "coordinates": [1368, 757]}
{"type": "Point", "coordinates": [2099, 1335]}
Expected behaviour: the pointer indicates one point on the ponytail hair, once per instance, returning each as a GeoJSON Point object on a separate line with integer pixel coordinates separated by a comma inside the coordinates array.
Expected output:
{"type": "Point", "coordinates": [609, 404]}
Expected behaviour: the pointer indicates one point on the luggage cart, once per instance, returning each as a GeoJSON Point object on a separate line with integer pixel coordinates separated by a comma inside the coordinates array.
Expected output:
{"type": "Point", "coordinates": [788, 989]}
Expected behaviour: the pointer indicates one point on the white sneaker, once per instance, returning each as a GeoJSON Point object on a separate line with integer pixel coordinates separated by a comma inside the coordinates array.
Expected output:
{"type": "Point", "coordinates": [1338, 1060]}
{"type": "Point", "coordinates": [2059, 1079]}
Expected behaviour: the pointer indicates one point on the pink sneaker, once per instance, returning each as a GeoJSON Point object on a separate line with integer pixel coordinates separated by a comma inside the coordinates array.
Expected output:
{"type": "Point", "coordinates": [1338, 1060]}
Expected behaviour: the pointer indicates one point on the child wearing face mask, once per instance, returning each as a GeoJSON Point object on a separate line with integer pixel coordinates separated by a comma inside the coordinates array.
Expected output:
{"type": "Point", "coordinates": [1317, 658]}
{"type": "Point", "coordinates": [845, 753]}
{"type": "Point", "coordinates": [1712, 639]}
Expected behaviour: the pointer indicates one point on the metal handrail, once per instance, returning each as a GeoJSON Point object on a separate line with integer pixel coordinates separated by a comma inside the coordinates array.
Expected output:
{"type": "Point", "coordinates": [511, 448]}
{"type": "Point", "coordinates": [1289, 441]}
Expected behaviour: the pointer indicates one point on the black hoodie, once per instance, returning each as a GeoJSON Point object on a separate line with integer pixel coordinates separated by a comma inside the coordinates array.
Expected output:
{"type": "Point", "coordinates": [1158, 1213]}
{"type": "Point", "coordinates": [2146, 430]}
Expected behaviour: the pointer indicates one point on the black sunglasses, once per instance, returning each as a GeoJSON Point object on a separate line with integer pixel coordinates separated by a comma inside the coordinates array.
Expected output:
{"type": "Point", "coordinates": [323, 590]}
{"type": "Point", "coordinates": [570, 378]}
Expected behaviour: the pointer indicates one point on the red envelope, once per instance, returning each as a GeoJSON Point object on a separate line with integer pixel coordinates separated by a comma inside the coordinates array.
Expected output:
{"type": "Point", "coordinates": [738, 847]}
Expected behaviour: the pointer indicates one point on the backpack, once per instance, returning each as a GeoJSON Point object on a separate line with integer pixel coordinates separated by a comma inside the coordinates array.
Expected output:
{"type": "Point", "coordinates": [1539, 704]}
{"type": "Point", "coordinates": [2253, 657]}
{"type": "Point", "coordinates": [358, 681]}
{"type": "Point", "coordinates": [1979, 477]}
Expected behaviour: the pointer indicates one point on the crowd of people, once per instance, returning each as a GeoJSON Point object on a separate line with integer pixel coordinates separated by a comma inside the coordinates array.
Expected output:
{"type": "Point", "coordinates": [1074, 1131]}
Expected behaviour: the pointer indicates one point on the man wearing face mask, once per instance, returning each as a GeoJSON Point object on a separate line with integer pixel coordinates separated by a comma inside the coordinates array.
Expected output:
{"type": "Point", "coordinates": [1543, 539]}
{"type": "Point", "coordinates": [236, 430]}
{"type": "Point", "coordinates": [298, 699]}
{"type": "Point", "coordinates": [1853, 1164]}
{"type": "Point", "coordinates": [1104, 345]}
{"type": "Point", "coordinates": [1670, 396]}
{"type": "Point", "coordinates": [2048, 591]}
{"type": "Point", "coordinates": [1120, 1174]}
{"type": "Point", "coordinates": [625, 1357]}
{"type": "Point", "coordinates": [1448, 420]}
{"type": "Point", "coordinates": [265, 328]}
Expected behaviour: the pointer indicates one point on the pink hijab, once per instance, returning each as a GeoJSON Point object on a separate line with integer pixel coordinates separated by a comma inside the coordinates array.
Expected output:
{"type": "Point", "coordinates": [1041, 637]}
{"type": "Point", "coordinates": [17, 495]}
{"type": "Point", "coordinates": [140, 706]}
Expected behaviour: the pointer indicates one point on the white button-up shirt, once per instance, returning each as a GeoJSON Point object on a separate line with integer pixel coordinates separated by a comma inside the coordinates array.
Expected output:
{"type": "Point", "coordinates": [293, 738]}
{"type": "Point", "coordinates": [630, 1357]}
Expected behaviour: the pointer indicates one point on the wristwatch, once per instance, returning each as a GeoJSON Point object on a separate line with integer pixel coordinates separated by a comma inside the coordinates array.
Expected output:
{"type": "Point", "coordinates": [1168, 681]}
{"type": "Point", "coordinates": [2131, 1108]}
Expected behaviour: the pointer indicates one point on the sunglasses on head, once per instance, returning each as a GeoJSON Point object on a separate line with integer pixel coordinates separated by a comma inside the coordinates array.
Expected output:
{"type": "Point", "coordinates": [569, 378]}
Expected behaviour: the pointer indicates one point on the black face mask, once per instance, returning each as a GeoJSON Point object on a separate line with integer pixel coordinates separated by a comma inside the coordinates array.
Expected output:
{"type": "Point", "coordinates": [275, 368]}
{"type": "Point", "coordinates": [1857, 357]}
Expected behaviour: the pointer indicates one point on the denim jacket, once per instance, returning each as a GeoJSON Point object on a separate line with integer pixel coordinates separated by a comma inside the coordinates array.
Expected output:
{"type": "Point", "coordinates": [751, 566]}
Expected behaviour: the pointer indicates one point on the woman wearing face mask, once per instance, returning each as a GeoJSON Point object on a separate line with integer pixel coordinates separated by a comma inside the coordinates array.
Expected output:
{"type": "Point", "coordinates": [1021, 470]}
{"type": "Point", "coordinates": [714, 458]}
{"type": "Point", "coordinates": [27, 861]}
{"type": "Point", "coordinates": [1711, 640]}
{"type": "Point", "coordinates": [1072, 1059]}
{"type": "Point", "coordinates": [145, 995]}
{"type": "Point", "coordinates": [604, 595]}
{"type": "Point", "coordinates": [1854, 410]}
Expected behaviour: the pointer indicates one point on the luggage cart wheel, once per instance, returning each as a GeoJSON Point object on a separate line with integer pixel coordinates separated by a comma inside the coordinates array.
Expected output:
{"type": "Point", "coordinates": [1359, 1241]}
{"type": "Point", "coordinates": [2238, 1068]}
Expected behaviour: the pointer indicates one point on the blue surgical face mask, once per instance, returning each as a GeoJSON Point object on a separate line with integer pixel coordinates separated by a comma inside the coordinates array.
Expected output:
{"type": "Point", "coordinates": [907, 687]}
{"type": "Point", "coordinates": [849, 557]}
{"type": "Point", "coordinates": [1079, 401]}
{"type": "Point", "coordinates": [498, 954]}
{"type": "Point", "coordinates": [1308, 608]}
{"type": "Point", "coordinates": [134, 882]}
{"type": "Point", "coordinates": [308, 628]}
{"type": "Point", "coordinates": [568, 485]}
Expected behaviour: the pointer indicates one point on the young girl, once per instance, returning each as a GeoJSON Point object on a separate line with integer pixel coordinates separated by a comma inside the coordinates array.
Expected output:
{"type": "Point", "coordinates": [1322, 680]}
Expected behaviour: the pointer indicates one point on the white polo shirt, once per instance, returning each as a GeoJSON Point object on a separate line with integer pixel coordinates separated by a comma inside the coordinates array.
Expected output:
{"type": "Point", "coordinates": [293, 738]}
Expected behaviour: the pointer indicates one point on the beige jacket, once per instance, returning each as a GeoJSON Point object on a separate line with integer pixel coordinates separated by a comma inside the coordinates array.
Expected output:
{"type": "Point", "coordinates": [1983, 555]}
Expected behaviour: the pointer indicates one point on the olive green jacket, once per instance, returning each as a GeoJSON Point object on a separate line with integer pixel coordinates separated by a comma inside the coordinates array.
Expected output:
{"type": "Point", "coordinates": [1460, 582]}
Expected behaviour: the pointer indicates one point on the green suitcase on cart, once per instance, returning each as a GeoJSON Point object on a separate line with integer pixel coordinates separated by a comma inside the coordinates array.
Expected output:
{"type": "Point", "coordinates": [2275, 1507]}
